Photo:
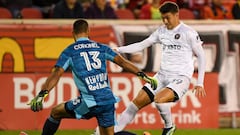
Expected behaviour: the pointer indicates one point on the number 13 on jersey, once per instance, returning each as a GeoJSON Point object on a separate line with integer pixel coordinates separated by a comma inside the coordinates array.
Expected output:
{"type": "Point", "coordinates": [96, 62]}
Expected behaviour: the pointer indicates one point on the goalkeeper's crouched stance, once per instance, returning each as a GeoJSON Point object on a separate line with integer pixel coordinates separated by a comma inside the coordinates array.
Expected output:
{"type": "Point", "coordinates": [87, 59]}
{"type": "Point", "coordinates": [77, 108]}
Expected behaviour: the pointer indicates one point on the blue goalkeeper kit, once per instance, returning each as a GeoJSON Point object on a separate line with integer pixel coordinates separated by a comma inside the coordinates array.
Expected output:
{"type": "Point", "coordinates": [87, 60]}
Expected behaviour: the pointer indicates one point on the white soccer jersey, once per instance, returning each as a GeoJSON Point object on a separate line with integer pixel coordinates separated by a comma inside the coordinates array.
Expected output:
{"type": "Point", "coordinates": [178, 46]}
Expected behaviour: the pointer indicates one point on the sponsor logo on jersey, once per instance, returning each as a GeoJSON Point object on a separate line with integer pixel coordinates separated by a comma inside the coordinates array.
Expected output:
{"type": "Point", "coordinates": [98, 81]}
{"type": "Point", "coordinates": [177, 36]}
{"type": "Point", "coordinates": [171, 47]}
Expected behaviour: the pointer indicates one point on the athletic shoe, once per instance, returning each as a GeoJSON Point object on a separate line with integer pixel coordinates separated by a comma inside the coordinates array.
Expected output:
{"type": "Point", "coordinates": [169, 131]}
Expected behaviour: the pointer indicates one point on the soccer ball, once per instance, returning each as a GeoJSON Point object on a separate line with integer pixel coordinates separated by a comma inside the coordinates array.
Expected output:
{"type": "Point", "coordinates": [146, 133]}
{"type": "Point", "coordinates": [23, 133]}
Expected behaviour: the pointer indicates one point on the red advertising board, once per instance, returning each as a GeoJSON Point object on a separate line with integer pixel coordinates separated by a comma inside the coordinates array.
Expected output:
{"type": "Point", "coordinates": [18, 89]}
{"type": "Point", "coordinates": [30, 48]}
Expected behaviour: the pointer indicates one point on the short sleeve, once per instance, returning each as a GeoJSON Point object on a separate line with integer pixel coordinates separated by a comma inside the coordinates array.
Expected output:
{"type": "Point", "coordinates": [64, 60]}
{"type": "Point", "coordinates": [110, 54]}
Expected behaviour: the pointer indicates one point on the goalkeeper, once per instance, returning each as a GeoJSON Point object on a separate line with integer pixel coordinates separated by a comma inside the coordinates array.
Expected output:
{"type": "Point", "coordinates": [87, 60]}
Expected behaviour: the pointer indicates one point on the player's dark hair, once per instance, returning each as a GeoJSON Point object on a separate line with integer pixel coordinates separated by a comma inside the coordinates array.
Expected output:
{"type": "Point", "coordinates": [167, 7]}
{"type": "Point", "coordinates": [80, 26]}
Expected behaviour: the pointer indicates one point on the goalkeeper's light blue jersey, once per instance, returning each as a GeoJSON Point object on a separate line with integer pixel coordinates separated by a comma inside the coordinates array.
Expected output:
{"type": "Point", "coordinates": [87, 60]}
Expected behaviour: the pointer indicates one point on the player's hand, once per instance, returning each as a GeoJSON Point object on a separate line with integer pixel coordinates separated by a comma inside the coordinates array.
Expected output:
{"type": "Point", "coordinates": [115, 49]}
{"type": "Point", "coordinates": [148, 79]}
{"type": "Point", "coordinates": [199, 91]}
{"type": "Point", "coordinates": [36, 103]}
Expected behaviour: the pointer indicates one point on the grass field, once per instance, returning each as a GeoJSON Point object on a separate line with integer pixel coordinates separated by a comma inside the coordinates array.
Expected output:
{"type": "Point", "coordinates": [139, 132]}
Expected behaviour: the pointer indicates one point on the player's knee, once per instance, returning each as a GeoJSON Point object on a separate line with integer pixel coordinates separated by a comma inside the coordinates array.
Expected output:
{"type": "Point", "coordinates": [138, 104]}
{"type": "Point", "coordinates": [162, 100]}
{"type": "Point", "coordinates": [56, 112]}
{"type": "Point", "coordinates": [143, 99]}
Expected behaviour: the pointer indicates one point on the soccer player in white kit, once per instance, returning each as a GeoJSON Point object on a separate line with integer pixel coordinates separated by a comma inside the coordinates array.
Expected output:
{"type": "Point", "coordinates": [178, 43]}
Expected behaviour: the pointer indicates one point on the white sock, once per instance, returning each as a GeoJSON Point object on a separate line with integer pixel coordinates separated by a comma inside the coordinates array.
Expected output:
{"type": "Point", "coordinates": [165, 112]}
{"type": "Point", "coordinates": [97, 131]}
{"type": "Point", "coordinates": [126, 117]}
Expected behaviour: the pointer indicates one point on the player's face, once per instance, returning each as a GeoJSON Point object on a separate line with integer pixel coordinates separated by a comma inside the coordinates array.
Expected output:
{"type": "Point", "coordinates": [171, 20]}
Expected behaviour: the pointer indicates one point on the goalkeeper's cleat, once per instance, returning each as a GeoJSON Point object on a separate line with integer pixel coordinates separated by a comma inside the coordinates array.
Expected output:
{"type": "Point", "coordinates": [169, 131]}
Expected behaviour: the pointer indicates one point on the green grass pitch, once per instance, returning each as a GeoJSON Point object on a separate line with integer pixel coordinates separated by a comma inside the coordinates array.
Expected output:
{"type": "Point", "coordinates": [139, 132]}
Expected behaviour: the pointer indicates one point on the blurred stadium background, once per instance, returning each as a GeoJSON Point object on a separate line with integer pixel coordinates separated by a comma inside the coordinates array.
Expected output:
{"type": "Point", "coordinates": [29, 49]}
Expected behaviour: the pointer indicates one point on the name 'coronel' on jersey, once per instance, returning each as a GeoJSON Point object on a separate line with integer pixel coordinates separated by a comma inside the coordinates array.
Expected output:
{"type": "Point", "coordinates": [88, 45]}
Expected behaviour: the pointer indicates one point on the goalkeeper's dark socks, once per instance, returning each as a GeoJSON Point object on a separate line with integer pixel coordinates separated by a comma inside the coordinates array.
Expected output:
{"type": "Point", "coordinates": [50, 127]}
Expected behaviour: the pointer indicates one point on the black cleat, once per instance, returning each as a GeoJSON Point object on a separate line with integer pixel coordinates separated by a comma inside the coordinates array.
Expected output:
{"type": "Point", "coordinates": [169, 131]}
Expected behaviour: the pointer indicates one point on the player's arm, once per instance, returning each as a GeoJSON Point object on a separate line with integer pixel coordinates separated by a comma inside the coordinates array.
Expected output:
{"type": "Point", "coordinates": [52, 80]}
{"type": "Point", "coordinates": [136, 47]}
{"type": "Point", "coordinates": [128, 66]}
{"type": "Point", "coordinates": [199, 52]}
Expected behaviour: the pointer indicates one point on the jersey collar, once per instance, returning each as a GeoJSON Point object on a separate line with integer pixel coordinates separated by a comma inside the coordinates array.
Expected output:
{"type": "Point", "coordinates": [82, 38]}
{"type": "Point", "coordinates": [177, 27]}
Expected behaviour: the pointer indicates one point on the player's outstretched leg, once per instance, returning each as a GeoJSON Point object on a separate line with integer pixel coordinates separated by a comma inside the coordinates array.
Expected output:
{"type": "Point", "coordinates": [140, 101]}
{"type": "Point", "coordinates": [126, 117]}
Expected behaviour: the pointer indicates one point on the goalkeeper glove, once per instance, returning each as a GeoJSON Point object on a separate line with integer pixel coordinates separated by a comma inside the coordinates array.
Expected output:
{"type": "Point", "coordinates": [36, 103]}
{"type": "Point", "coordinates": [148, 79]}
